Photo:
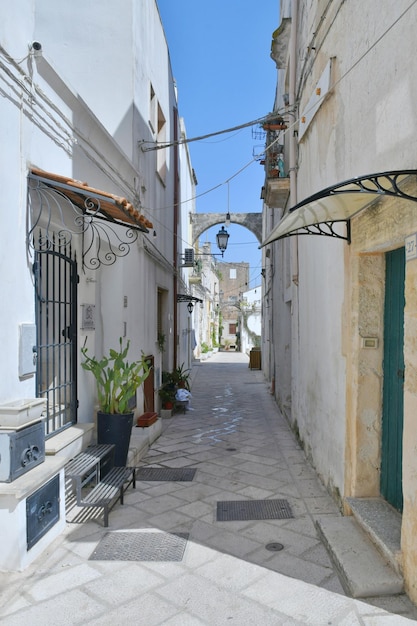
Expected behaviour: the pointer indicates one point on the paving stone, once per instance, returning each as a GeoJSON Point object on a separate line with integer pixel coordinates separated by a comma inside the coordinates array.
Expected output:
{"type": "Point", "coordinates": [226, 576]}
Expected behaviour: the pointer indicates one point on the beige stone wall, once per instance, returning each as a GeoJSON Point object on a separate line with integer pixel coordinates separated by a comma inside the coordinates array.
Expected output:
{"type": "Point", "coordinates": [409, 528]}
{"type": "Point", "coordinates": [381, 228]}
{"type": "Point", "coordinates": [364, 378]}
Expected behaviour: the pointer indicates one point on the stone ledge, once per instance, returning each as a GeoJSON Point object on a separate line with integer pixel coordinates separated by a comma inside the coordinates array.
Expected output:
{"type": "Point", "coordinates": [70, 441]}
{"type": "Point", "coordinates": [33, 479]}
{"type": "Point", "coordinates": [383, 525]}
{"type": "Point", "coordinates": [363, 572]}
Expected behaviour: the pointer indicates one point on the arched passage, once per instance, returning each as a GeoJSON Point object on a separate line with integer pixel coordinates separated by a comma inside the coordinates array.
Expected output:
{"type": "Point", "coordinates": [203, 221]}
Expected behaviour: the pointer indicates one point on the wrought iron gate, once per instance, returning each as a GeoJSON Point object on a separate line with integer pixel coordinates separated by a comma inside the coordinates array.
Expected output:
{"type": "Point", "coordinates": [56, 280]}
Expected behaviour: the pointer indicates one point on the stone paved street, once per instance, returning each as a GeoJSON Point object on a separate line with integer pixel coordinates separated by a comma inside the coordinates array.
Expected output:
{"type": "Point", "coordinates": [242, 449]}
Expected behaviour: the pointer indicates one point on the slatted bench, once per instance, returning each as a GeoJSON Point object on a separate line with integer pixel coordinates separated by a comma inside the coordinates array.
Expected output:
{"type": "Point", "coordinates": [109, 490]}
{"type": "Point", "coordinates": [181, 405]}
{"type": "Point", "coordinates": [87, 467]}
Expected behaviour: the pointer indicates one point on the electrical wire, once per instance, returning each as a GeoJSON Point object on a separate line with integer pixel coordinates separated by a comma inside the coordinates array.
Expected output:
{"type": "Point", "coordinates": [67, 136]}
{"type": "Point", "coordinates": [297, 119]}
{"type": "Point", "coordinates": [179, 142]}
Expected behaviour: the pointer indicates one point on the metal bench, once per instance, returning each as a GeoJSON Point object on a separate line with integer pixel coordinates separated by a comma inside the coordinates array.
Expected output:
{"type": "Point", "coordinates": [109, 490]}
{"type": "Point", "coordinates": [108, 485]}
{"type": "Point", "coordinates": [87, 466]}
{"type": "Point", "coordinates": [181, 405]}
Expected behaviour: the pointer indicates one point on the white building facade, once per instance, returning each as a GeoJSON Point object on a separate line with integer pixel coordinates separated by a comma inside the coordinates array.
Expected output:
{"type": "Point", "coordinates": [250, 322]}
{"type": "Point", "coordinates": [92, 226]}
{"type": "Point", "coordinates": [339, 339]}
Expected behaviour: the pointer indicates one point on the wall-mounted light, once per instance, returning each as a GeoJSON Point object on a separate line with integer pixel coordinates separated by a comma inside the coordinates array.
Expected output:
{"type": "Point", "coordinates": [190, 307]}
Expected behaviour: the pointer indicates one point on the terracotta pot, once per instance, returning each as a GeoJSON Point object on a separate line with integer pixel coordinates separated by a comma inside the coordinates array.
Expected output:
{"type": "Point", "coordinates": [147, 419]}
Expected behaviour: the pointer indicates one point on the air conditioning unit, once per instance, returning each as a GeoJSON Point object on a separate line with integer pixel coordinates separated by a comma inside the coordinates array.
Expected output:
{"type": "Point", "coordinates": [188, 257]}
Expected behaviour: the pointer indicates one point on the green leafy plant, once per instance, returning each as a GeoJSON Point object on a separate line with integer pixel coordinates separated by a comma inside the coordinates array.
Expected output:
{"type": "Point", "coordinates": [161, 342]}
{"type": "Point", "coordinates": [167, 394]}
{"type": "Point", "coordinates": [204, 347]}
{"type": "Point", "coordinates": [181, 377]}
{"type": "Point", "coordinates": [117, 380]}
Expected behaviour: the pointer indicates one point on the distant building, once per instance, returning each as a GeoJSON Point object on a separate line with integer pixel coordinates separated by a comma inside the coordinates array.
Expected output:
{"type": "Point", "coordinates": [250, 323]}
{"type": "Point", "coordinates": [233, 282]}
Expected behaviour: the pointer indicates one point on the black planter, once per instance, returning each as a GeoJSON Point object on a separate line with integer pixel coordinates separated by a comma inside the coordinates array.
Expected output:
{"type": "Point", "coordinates": [113, 428]}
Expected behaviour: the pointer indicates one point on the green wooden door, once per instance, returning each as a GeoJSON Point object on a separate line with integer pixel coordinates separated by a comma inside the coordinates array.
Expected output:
{"type": "Point", "coordinates": [393, 395]}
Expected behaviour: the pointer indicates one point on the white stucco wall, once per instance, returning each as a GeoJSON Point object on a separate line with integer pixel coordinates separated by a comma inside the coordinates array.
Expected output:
{"type": "Point", "coordinates": [252, 299]}
{"type": "Point", "coordinates": [91, 110]}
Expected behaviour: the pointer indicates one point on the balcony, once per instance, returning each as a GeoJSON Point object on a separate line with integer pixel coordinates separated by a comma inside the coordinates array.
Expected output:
{"type": "Point", "coordinates": [194, 279]}
{"type": "Point", "coordinates": [276, 191]}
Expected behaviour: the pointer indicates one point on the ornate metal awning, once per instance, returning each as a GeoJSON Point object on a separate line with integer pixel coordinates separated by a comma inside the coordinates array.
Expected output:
{"type": "Point", "coordinates": [60, 207]}
{"type": "Point", "coordinates": [318, 214]}
{"type": "Point", "coordinates": [183, 297]}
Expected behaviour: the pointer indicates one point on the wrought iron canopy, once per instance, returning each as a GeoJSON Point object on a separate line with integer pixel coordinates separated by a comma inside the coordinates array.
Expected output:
{"type": "Point", "coordinates": [337, 204]}
{"type": "Point", "coordinates": [60, 207]}
{"type": "Point", "coordinates": [184, 297]}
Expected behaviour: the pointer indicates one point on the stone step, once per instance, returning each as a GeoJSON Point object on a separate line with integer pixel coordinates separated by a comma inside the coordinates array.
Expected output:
{"type": "Point", "coordinates": [362, 570]}
{"type": "Point", "coordinates": [383, 525]}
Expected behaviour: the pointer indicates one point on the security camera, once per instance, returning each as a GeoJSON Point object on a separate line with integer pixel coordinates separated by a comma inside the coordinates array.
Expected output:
{"type": "Point", "coordinates": [36, 48]}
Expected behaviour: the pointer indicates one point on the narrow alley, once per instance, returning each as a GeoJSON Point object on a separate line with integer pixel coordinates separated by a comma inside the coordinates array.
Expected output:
{"type": "Point", "coordinates": [180, 551]}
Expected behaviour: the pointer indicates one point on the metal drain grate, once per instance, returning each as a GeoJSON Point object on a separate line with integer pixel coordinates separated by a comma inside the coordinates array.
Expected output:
{"type": "Point", "coordinates": [242, 510]}
{"type": "Point", "coordinates": [141, 546]}
{"type": "Point", "coordinates": [165, 473]}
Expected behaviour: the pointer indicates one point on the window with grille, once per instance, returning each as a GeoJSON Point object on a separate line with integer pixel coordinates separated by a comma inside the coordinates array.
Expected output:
{"type": "Point", "coordinates": [56, 279]}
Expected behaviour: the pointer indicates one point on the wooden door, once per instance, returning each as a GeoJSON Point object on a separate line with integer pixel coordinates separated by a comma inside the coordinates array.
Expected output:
{"type": "Point", "coordinates": [393, 384]}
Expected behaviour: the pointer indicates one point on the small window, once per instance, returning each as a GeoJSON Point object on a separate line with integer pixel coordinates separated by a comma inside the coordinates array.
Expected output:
{"type": "Point", "coordinates": [161, 138]}
{"type": "Point", "coordinates": [152, 109]}
{"type": "Point", "coordinates": [232, 329]}
{"type": "Point", "coordinates": [232, 273]}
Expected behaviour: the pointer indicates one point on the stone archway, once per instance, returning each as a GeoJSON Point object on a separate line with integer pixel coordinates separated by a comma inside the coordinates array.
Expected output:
{"type": "Point", "coordinates": [202, 221]}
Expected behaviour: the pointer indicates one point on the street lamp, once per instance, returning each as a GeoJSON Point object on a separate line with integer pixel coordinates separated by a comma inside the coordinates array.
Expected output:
{"type": "Point", "coordinates": [222, 238]}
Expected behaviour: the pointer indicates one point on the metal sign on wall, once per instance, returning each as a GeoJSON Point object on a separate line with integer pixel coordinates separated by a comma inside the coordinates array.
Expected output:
{"type": "Point", "coordinates": [411, 247]}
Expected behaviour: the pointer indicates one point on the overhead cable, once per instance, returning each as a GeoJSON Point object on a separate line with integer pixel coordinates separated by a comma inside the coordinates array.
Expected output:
{"type": "Point", "coordinates": [160, 146]}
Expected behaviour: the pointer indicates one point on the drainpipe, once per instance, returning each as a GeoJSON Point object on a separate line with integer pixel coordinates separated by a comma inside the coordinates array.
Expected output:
{"type": "Point", "coordinates": [295, 322]}
{"type": "Point", "coordinates": [293, 138]}
{"type": "Point", "coordinates": [175, 235]}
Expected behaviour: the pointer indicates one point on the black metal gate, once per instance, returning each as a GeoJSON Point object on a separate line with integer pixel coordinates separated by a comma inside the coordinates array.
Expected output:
{"type": "Point", "coordinates": [56, 280]}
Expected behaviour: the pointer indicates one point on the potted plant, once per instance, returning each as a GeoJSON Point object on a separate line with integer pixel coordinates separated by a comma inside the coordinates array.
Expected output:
{"type": "Point", "coordinates": [181, 377]}
{"type": "Point", "coordinates": [161, 342]}
{"type": "Point", "coordinates": [117, 381]}
{"type": "Point", "coordinates": [167, 395]}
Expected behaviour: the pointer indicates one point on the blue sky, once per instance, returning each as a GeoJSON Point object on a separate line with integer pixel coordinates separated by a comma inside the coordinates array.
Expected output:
{"type": "Point", "coordinates": [220, 56]}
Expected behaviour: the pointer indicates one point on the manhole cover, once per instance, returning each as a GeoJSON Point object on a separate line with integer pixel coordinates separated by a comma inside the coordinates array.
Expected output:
{"type": "Point", "coordinates": [165, 474]}
{"type": "Point", "coordinates": [274, 546]}
{"type": "Point", "coordinates": [141, 546]}
{"type": "Point", "coordinates": [242, 510]}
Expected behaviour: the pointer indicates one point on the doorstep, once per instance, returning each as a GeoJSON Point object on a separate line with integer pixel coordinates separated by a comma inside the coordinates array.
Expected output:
{"type": "Point", "coordinates": [362, 570]}
{"type": "Point", "coordinates": [383, 525]}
